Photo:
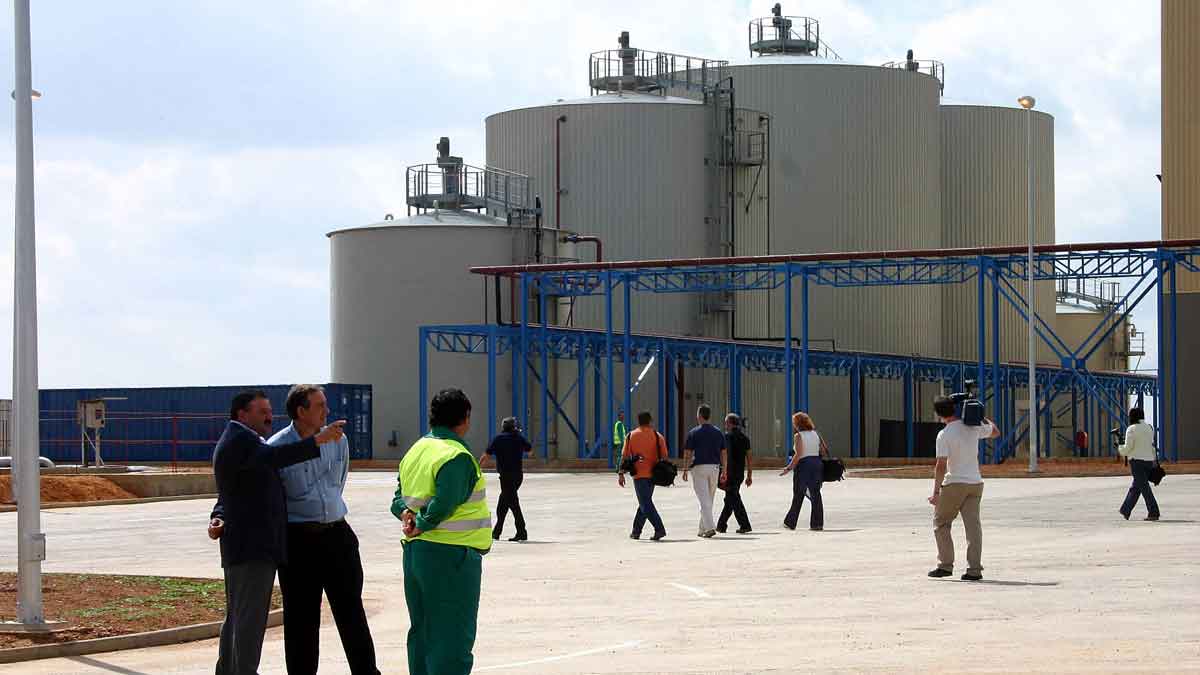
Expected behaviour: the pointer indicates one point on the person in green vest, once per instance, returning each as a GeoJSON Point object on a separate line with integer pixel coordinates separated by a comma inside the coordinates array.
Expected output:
{"type": "Point", "coordinates": [440, 500]}
{"type": "Point", "coordinates": [618, 441]}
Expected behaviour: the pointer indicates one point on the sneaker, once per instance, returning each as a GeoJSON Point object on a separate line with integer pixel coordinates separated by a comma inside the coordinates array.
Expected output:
{"type": "Point", "coordinates": [743, 530]}
{"type": "Point", "coordinates": [710, 534]}
{"type": "Point", "coordinates": [1152, 518]}
{"type": "Point", "coordinates": [521, 536]}
{"type": "Point", "coordinates": [658, 535]}
{"type": "Point", "coordinates": [1123, 514]}
{"type": "Point", "coordinates": [938, 573]}
{"type": "Point", "coordinates": [971, 577]}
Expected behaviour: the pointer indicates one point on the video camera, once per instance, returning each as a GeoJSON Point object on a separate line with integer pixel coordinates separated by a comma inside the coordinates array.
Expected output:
{"type": "Point", "coordinates": [1119, 434]}
{"type": "Point", "coordinates": [970, 407]}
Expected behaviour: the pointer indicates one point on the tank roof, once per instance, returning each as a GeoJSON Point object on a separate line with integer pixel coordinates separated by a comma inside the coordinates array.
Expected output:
{"type": "Point", "coordinates": [792, 59]}
{"type": "Point", "coordinates": [613, 99]}
{"type": "Point", "coordinates": [442, 219]}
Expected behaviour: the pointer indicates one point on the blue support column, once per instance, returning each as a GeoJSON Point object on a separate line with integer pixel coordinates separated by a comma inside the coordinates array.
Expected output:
{"type": "Point", "coordinates": [1160, 398]}
{"type": "Point", "coordinates": [981, 338]}
{"type": "Point", "coordinates": [522, 385]}
{"type": "Point", "coordinates": [581, 398]}
{"type": "Point", "coordinates": [805, 404]}
{"type": "Point", "coordinates": [491, 381]}
{"type": "Point", "coordinates": [662, 387]}
{"type": "Point", "coordinates": [629, 418]}
{"type": "Point", "coordinates": [910, 439]}
{"type": "Point", "coordinates": [597, 406]}
{"type": "Point", "coordinates": [422, 381]}
{"type": "Point", "coordinates": [608, 341]}
{"type": "Point", "coordinates": [545, 379]}
{"type": "Point", "coordinates": [1174, 367]}
{"type": "Point", "coordinates": [856, 408]}
{"type": "Point", "coordinates": [997, 389]}
{"type": "Point", "coordinates": [787, 357]}
{"type": "Point", "coordinates": [668, 420]}
{"type": "Point", "coordinates": [735, 380]}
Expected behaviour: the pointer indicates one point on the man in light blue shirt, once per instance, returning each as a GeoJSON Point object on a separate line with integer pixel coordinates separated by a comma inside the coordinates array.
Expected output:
{"type": "Point", "coordinates": [322, 548]}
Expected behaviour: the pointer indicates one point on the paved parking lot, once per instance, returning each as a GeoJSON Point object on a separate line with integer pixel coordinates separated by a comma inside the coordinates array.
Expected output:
{"type": "Point", "coordinates": [1070, 586]}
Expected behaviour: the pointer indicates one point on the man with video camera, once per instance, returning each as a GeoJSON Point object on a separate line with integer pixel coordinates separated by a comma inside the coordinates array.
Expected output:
{"type": "Point", "coordinates": [644, 448]}
{"type": "Point", "coordinates": [957, 482]}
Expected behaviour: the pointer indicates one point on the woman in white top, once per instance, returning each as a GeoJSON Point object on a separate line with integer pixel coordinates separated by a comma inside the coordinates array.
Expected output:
{"type": "Point", "coordinates": [808, 471]}
{"type": "Point", "coordinates": [1139, 448]}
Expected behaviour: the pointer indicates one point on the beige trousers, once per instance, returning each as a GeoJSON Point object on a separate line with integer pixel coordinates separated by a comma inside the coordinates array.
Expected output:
{"type": "Point", "coordinates": [959, 498]}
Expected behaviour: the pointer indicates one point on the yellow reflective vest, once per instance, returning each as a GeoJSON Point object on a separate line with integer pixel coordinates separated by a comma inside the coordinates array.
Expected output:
{"type": "Point", "coordinates": [468, 525]}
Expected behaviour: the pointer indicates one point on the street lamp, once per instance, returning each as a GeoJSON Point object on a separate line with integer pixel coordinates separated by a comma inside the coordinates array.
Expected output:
{"type": "Point", "coordinates": [1027, 102]}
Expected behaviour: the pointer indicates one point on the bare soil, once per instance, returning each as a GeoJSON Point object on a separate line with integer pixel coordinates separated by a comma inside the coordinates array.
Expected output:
{"type": "Point", "coordinates": [70, 489]}
{"type": "Point", "coordinates": [96, 606]}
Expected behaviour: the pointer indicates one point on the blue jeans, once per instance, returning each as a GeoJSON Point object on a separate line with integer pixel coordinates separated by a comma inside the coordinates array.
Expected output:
{"type": "Point", "coordinates": [644, 489]}
{"type": "Point", "coordinates": [806, 478]}
{"type": "Point", "coordinates": [1140, 469]}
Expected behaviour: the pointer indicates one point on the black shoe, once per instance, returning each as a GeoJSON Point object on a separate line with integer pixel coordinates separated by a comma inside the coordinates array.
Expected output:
{"type": "Point", "coordinates": [1123, 514]}
{"type": "Point", "coordinates": [1151, 518]}
{"type": "Point", "coordinates": [743, 530]}
{"type": "Point", "coordinates": [970, 577]}
{"type": "Point", "coordinates": [495, 535]}
{"type": "Point", "coordinates": [817, 529]}
{"type": "Point", "coordinates": [658, 535]}
{"type": "Point", "coordinates": [722, 529]}
{"type": "Point", "coordinates": [790, 527]}
{"type": "Point", "coordinates": [521, 536]}
{"type": "Point", "coordinates": [938, 573]}
{"type": "Point", "coordinates": [635, 536]}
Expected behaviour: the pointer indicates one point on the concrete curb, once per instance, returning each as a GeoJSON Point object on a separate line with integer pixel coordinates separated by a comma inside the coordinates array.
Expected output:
{"type": "Point", "coordinates": [156, 638]}
{"type": "Point", "coordinates": [7, 508]}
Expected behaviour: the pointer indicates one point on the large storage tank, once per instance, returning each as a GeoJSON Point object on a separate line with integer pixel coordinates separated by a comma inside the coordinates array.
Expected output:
{"type": "Point", "coordinates": [855, 167]}
{"type": "Point", "coordinates": [630, 169]}
{"type": "Point", "coordinates": [985, 188]}
{"type": "Point", "coordinates": [390, 278]}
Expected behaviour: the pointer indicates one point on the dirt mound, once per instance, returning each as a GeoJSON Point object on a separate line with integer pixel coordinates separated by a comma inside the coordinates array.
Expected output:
{"type": "Point", "coordinates": [70, 489]}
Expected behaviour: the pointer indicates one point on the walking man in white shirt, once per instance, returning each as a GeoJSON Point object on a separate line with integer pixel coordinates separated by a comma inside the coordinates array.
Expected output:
{"type": "Point", "coordinates": [958, 488]}
{"type": "Point", "coordinates": [1139, 448]}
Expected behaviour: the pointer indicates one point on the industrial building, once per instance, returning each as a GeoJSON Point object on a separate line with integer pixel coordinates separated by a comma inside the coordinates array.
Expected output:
{"type": "Point", "coordinates": [791, 150]}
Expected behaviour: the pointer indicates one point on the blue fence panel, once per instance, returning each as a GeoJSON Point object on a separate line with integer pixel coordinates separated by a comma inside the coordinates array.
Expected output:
{"type": "Point", "coordinates": [165, 424]}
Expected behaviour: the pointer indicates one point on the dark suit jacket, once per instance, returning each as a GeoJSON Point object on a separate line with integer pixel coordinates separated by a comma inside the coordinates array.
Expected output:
{"type": "Point", "coordinates": [250, 497]}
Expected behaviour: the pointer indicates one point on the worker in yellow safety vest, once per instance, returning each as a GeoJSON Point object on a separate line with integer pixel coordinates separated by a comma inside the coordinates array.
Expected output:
{"type": "Point", "coordinates": [618, 439]}
{"type": "Point", "coordinates": [440, 500]}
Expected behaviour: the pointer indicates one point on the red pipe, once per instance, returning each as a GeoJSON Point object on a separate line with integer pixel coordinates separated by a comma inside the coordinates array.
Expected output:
{"type": "Point", "coordinates": [831, 257]}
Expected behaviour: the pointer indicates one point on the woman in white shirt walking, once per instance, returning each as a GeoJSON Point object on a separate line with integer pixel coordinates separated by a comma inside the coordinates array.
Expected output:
{"type": "Point", "coordinates": [1139, 448]}
{"type": "Point", "coordinates": [809, 471]}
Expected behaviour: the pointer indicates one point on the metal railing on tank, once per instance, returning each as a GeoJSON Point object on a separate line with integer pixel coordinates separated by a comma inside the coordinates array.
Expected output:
{"type": "Point", "coordinates": [462, 186]}
{"type": "Point", "coordinates": [934, 69]}
{"type": "Point", "coordinates": [644, 71]}
{"type": "Point", "coordinates": [788, 35]}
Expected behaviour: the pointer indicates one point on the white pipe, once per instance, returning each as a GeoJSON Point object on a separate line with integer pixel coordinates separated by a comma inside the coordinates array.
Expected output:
{"type": "Point", "coordinates": [31, 543]}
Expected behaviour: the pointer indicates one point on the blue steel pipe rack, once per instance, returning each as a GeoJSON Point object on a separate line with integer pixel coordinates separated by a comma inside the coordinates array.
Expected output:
{"type": "Point", "coordinates": [1150, 265]}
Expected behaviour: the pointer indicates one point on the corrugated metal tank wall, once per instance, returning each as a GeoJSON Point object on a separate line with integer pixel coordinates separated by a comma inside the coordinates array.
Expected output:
{"type": "Point", "coordinates": [984, 203]}
{"type": "Point", "coordinates": [387, 281]}
{"type": "Point", "coordinates": [632, 171]}
{"type": "Point", "coordinates": [855, 166]}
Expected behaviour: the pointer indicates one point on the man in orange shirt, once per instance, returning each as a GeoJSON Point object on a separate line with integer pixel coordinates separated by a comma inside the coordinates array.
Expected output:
{"type": "Point", "coordinates": [649, 447]}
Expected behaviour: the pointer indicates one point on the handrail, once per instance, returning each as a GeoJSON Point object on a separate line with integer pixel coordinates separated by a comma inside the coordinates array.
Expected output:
{"type": "Point", "coordinates": [934, 69]}
{"type": "Point", "coordinates": [462, 186]}
{"type": "Point", "coordinates": [788, 35]}
{"type": "Point", "coordinates": [641, 70]}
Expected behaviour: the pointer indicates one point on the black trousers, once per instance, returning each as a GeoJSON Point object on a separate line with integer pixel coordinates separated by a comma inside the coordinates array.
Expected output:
{"type": "Point", "coordinates": [733, 503]}
{"type": "Point", "coordinates": [1140, 488]}
{"type": "Point", "coordinates": [510, 484]}
{"type": "Point", "coordinates": [324, 560]}
{"type": "Point", "coordinates": [248, 589]}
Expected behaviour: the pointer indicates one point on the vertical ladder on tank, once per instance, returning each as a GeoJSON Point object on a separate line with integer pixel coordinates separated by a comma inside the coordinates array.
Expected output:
{"type": "Point", "coordinates": [719, 161]}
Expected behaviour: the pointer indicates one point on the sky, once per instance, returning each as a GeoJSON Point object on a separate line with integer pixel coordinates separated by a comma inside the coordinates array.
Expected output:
{"type": "Point", "coordinates": [190, 157]}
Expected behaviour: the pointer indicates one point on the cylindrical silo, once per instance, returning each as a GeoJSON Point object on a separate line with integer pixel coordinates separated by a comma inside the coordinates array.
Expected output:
{"type": "Point", "coordinates": [855, 166]}
{"type": "Point", "coordinates": [387, 280]}
{"type": "Point", "coordinates": [985, 189]}
{"type": "Point", "coordinates": [630, 169]}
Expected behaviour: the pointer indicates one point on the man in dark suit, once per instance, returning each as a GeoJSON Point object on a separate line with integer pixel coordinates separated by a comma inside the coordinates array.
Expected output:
{"type": "Point", "coordinates": [251, 495]}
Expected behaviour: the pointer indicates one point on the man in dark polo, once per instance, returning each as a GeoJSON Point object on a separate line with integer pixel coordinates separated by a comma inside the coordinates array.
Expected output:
{"type": "Point", "coordinates": [250, 519]}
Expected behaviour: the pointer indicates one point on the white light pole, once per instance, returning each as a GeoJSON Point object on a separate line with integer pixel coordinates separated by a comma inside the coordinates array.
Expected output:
{"type": "Point", "coordinates": [1027, 102]}
{"type": "Point", "coordinates": [31, 543]}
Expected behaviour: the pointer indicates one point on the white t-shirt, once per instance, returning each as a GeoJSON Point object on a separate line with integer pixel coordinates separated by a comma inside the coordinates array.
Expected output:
{"type": "Point", "coordinates": [959, 444]}
{"type": "Point", "coordinates": [811, 443]}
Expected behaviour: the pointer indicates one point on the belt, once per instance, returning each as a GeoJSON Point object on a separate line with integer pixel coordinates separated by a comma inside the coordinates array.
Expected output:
{"type": "Point", "coordinates": [313, 526]}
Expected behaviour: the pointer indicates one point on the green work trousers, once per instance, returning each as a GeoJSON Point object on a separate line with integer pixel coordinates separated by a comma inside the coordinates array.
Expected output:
{"type": "Point", "coordinates": [441, 587]}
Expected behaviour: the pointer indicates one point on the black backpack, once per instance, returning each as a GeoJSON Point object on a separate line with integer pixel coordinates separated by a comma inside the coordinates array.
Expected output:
{"type": "Point", "coordinates": [663, 473]}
